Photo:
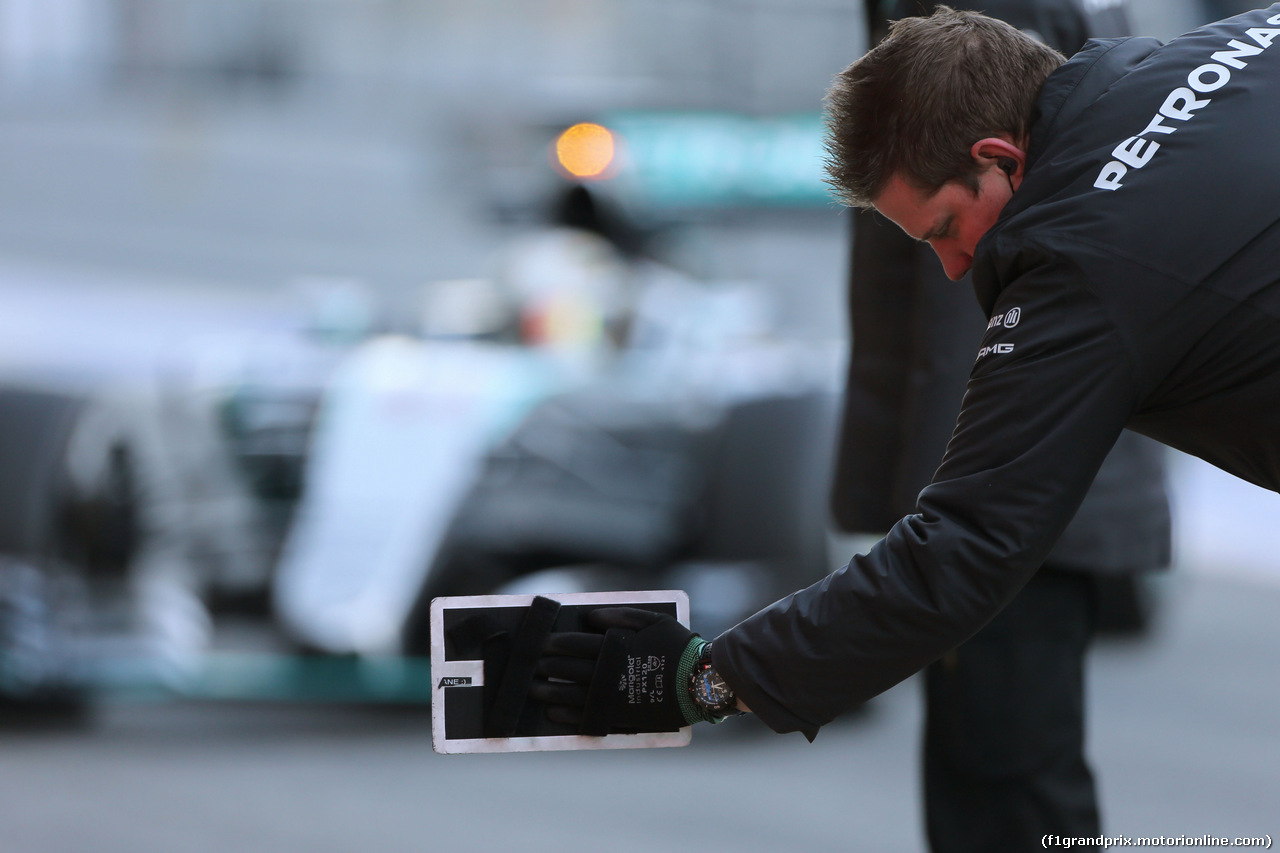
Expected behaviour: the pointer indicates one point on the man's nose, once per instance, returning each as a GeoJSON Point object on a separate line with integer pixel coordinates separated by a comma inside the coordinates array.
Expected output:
{"type": "Point", "coordinates": [954, 264]}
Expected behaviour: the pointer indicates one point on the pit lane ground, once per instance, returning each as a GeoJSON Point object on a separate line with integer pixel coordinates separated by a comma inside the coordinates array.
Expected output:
{"type": "Point", "coordinates": [1183, 736]}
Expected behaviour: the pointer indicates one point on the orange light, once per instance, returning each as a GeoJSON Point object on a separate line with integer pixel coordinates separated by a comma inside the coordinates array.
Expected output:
{"type": "Point", "coordinates": [585, 150]}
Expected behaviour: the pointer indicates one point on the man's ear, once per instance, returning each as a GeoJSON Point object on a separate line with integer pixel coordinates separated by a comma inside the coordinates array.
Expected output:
{"type": "Point", "coordinates": [1000, 153]}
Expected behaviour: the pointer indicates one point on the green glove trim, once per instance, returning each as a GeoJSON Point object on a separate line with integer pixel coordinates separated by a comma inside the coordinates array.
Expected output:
{"type": "Point", "coordinates": [693, 712]}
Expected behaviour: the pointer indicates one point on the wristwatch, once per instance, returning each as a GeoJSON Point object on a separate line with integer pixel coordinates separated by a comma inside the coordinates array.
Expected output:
{"type": "Point", "coordinates": [710, 691]}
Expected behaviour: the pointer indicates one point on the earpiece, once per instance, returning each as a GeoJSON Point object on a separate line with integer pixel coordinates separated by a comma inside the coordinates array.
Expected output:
{"type": "Point", "coordinates": [1007, 165]}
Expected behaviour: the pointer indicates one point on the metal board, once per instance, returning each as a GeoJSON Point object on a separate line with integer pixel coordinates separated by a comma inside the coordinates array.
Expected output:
{"type": "Point", "coordinates": [457, 675]}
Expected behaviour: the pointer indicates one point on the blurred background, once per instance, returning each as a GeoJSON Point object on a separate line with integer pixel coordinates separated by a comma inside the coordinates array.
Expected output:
{"type": "Point", "coordinates": [311, 310]}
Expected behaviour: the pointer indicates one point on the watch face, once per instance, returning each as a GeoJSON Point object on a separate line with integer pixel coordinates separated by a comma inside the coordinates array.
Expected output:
{"type": "Point", "coordinates": [710, 690]}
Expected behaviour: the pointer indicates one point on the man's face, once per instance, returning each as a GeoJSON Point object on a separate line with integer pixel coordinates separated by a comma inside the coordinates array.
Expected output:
{"type": "Point", "coordinates": [951, 220]}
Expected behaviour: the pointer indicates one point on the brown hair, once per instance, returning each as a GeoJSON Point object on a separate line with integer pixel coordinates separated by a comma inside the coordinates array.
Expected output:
{"type": "Point", "coordinates": [917, 102]}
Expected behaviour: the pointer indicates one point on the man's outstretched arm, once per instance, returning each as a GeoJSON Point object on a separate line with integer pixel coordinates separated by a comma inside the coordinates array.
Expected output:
{"type": "Point", "coordinates": [1047, 399]}
{"type": "Point", "coordinates": [1051, 390]}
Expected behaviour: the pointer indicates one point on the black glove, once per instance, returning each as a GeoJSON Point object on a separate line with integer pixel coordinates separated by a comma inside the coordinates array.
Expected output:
{"type": "Point", "coordinates": [631, 677]}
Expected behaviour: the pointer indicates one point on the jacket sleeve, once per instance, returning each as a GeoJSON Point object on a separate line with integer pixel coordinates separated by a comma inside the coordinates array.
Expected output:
{"type": "Point", "coordinates": [1052, 387]}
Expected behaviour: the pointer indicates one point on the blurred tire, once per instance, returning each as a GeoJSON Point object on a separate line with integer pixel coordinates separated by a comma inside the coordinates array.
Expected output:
{"type": "Point", "coordinates": [44, 540]}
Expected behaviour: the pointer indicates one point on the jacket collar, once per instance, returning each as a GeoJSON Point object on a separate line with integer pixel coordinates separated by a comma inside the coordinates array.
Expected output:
{"type": "Point", "coordinates": [1080, 82]}
{"type": "Point", "coordinates": [1067, 92]}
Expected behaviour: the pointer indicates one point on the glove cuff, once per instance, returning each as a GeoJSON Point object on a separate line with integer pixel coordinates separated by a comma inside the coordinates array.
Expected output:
{"type": "Point", "coordinates": [692, 711]}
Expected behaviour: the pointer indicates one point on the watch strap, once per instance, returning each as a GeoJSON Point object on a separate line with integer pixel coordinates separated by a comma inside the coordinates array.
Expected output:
{"type": "Point", "coordinates": [693, 712]}
{"type": "Point", "coordinates": [716, 713]}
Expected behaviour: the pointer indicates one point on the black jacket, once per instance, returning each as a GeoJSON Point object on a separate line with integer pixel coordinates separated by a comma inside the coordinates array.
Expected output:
{"type": "Point", "coordinates": [1127, 285]}
{"type": "Point", "coordinates": [914, 334]}
{"type": "Point", "coordinates": [1063, 24]}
